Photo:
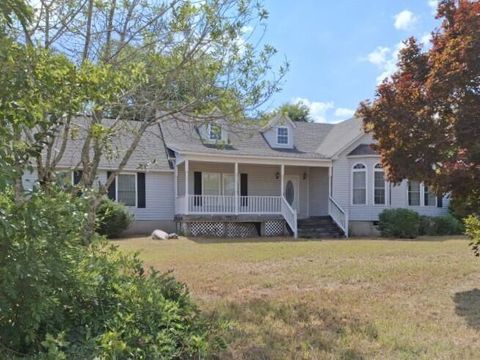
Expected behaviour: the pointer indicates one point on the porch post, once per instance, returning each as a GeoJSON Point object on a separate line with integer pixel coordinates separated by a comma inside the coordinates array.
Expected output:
{"type": "Point", "coordinates": [175, 185]}
{"type": "Point", "coordinates": [282, 174]}
{"type": "Point", "coordinates": [329, 188]}
{"type": "Point", "coordinates": [236, 188]}
{"type": "Point", "coordinates": [186, 186]}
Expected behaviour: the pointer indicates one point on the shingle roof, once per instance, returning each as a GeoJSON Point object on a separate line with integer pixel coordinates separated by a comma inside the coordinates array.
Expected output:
{"type": "Point", "coordinates": [150, 153]}
{"type": "Point", "coordinates": [246, 140]}
{"type": "Point", "coordinates": [363, 149]}
{"type": "Point", "coordinates": [341, 135]}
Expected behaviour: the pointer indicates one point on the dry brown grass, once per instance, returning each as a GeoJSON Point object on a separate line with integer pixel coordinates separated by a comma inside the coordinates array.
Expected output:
{"type": "Point", "coordinates": [336, 299]}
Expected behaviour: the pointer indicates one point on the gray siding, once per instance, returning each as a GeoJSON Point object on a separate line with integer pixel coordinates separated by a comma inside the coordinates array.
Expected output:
{"type": "Point", "coordinates": [342, 178]}
{"type": "Point", "coordinates": [318, 191]}
{"type": "Point", "coordinates": [159, 194]}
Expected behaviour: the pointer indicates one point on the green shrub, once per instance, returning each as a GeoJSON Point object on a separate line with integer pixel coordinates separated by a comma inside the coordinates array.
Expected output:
{"type": "Point", "coordinates": [448, 225]}
{"type": "Point", "coordinates": [472, 229]}
{"type": "Point", "coordinates": [440, 225]}
{"type": "Point", "coordinates": [401, 223]}
{"type": "Point", "coordinates": [113, 218]}
{"type": "Point", "coordinates": [63, 300]}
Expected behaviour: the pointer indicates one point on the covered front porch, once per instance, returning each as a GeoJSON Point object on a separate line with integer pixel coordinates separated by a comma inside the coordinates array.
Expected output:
{"type": "Point", "coordinates": [206, 190]}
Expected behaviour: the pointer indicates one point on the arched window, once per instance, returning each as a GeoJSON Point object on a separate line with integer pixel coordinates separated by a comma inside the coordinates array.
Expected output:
{"type": "Point", "coordinates": [379, 185]}
{"type": "Point", "coordinates": [359, 184]}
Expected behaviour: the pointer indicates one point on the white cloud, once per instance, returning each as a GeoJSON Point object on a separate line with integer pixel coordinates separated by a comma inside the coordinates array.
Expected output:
{"type": "Point", "coordinates": [385, 59]}
{"type": "Point", "coordinates": [379, 55]}
{"type": "Point", "coordinates": [344, 112]}
{"type": "Point", "coordinates": [425, 40]}
{"type": "Point", "coordinates": [433, 4]}
{"type": "Point", "coordinates": [405, 20]}
{"type": "Point", "coordinates": [318, 109]}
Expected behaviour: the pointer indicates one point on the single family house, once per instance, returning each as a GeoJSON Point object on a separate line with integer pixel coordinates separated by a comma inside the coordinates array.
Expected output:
{"type": "Point", "coordinates": [221, 179]}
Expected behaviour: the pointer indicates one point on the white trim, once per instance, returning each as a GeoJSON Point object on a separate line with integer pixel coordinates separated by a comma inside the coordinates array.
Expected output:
{"type": "Point", "coordinates": [375, 170]}
{"type": "Point", "coordinates": [352, 171]}
{"type": "Point", "coordinates": [308, 192]}
{"type": "Point", "coordinates": [263, 160]}
{"type": "Point", "coordinates": [288, 136]}
{"type": "Point", "coordinates": [341, 150]}
{"type": "Point", "coordinates": [136, 188]}
{"type": "Point", "coordinates": [420, 202]}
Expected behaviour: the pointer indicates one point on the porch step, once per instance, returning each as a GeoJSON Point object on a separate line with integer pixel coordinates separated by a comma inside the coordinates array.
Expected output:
{"type": "Point", "coordinates": [318, 227]}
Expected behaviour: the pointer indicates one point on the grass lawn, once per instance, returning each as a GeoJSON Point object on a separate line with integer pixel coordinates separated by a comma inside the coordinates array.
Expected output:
{"type": "Point", "coordinates": [336, 299]}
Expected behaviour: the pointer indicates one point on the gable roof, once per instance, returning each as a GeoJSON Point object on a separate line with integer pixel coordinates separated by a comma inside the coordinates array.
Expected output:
{"type": "Point", "coordinates": [340, 137]}
{"type": "Point", "coordinates": [245, 140]}
{"type": "Point", "coordinates": [150, 153]}
{"type": "Point", "coordinates": [363, 149]}
{"type": "Point", "coordinates": [279, 120]}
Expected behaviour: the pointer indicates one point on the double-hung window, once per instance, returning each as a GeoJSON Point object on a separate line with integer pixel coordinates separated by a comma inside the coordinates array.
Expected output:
{"type": "Point", "coordinates": [429, 198]}
{"type": "Point", "coordinates": [379, 185]}
{"type": "Point", "coordinates": [359, 184]}
{"type": "Point", "coordinates": [413, 193]}
{"type": "Point", "coordinates": [282, 136]}
{"type": "Point", "coordinates": [214, 132]}
{"type": "Point", "coordinates": [211, 183]}
{"type": "Point", "coordinates": [126, 189]}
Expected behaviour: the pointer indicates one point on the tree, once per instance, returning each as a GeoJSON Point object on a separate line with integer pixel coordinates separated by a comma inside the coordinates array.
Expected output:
{"type": "Point", "coordinates": [148, 61]}
{"type": "Point", "coordinates": [426, 117]}
{"type": "Point", "coordinates": [296, 111]}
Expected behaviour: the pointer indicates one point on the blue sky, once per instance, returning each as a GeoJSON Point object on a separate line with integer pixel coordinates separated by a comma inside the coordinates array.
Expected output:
{"type": "Point", "coordinates": [339, 50]}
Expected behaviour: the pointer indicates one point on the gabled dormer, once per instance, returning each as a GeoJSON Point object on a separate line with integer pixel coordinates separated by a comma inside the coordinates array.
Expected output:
{"type": "Point", "coordinates": [279, 132]}
{"type": "Point", "coordinates": [214, 133]}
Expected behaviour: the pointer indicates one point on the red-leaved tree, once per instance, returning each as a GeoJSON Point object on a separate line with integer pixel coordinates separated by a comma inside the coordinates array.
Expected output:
{"type": "Point", "coordinates": [426, 117]}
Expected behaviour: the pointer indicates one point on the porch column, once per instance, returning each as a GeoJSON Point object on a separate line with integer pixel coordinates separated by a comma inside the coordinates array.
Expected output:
{"type": "Point", "coordinates": [282, 175]}
{"type": "Point", "coordinates": [186, 186]}
{"type": "Point", "coordinates": [329, 188]}
{"type": "Point", "coordinates": [175, 185]}
{"type": "Point", "coordinates": [236, 188]}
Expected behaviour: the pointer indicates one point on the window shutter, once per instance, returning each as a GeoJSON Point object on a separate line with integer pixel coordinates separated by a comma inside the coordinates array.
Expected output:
{"type": "Point", "coordinates": [244, 188]}
{"type": "Point", "coordinates": [440, 201]}
{"type": "Point", "coordinates": [77, 176]}
{"type": "Point", "coordinates": [141, 191]}
{"type": "Point", "coordinates": [112, 189]}
{"type": "Point", "coordinates": [197, 188]}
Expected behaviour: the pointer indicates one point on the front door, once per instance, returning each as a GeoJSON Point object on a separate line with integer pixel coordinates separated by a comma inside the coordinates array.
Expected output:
{"type": "Point", "coordinates": [291, 191]}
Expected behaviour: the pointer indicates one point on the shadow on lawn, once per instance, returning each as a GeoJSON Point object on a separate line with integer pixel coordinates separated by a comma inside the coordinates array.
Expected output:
{"type": "Point", "coordinates": [467, 305]}
{"type": "Point", "coordinates": [213, 240]}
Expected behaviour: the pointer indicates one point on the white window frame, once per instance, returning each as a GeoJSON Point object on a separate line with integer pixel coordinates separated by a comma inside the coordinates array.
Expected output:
{"type": "Point", "coordinates": [209, 131]}
{"type": "Point", "coordinates": [204, 173]}
{"type": "Point", "coordinates": [136, 189]}
{"type": "Point", "coordinates": [420, 190]}
{"type": "Point", "coordinates": [287, 135]}
{"type": "Point", "coordinates": [375, 170]}
{"type": "Point", "coordinates": [364, 170]}
{"type": "Point", "coordinates": [435, 201]}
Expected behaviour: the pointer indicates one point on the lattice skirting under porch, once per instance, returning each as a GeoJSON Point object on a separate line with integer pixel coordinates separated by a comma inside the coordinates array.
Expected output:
{"type": "Point", "coordinates": [232, 229]}
{"type": "Point", "coordinates": [274, 228]}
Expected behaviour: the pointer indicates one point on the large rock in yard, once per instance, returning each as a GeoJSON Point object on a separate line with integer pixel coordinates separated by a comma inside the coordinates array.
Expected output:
{"type": "Point", "coordinates": [159, 235]}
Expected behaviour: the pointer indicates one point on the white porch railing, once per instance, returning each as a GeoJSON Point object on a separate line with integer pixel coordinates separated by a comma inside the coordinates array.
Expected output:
{"type": "Point", "coordinates": [290, 216]}
{"type": "Point", "coordinates": [220, 204]}
{"type": "Point", "coordinates": [259, 205]}
{"type": "Point", "coordinates": [338, 215]}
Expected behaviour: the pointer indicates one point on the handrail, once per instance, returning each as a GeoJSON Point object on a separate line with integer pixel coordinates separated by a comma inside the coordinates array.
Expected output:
{"type": "Point", "coordinates": [338, 214]}
{"type": "Point", "coordinates": [290, 216]}
{"type": "Point", "coordinates": [230, 204]}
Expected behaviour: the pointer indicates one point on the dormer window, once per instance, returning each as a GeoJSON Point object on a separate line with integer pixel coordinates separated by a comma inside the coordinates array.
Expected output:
{"type": "Point", "coordinates": [282, 136]}
{"type": "Point", "coordinates": [214, 132]}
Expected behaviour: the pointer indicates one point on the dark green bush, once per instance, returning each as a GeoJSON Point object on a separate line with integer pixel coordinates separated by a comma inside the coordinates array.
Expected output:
{"type": "Point", "coordinates": [113, 218]}
{"type": "Point", "coordinates": [401, 223]}
{"type": "Point", "coordinates": [448, 225]}
{"type": "Point", "coordinates": [62, 300]}
{"type": "Point", "coordinates": [440, 225]}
